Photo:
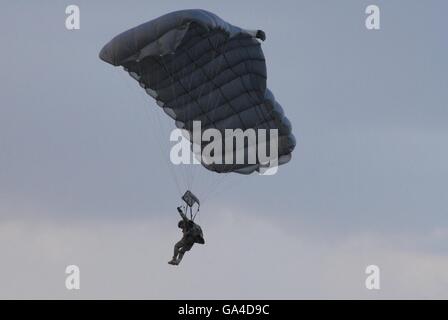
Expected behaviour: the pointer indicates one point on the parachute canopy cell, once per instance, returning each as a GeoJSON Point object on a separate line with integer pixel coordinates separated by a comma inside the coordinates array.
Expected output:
{"type": "Point", "coordinates": [200, 68]}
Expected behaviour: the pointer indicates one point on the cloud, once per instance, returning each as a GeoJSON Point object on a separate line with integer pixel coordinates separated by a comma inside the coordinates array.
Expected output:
{"type": "Point", "coordinates": [84, 181]}
{"type": "Point", "coordinates": [246, 256]}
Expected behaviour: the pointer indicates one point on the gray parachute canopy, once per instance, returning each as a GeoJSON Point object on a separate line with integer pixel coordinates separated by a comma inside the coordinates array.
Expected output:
{"type": "Point", "coordinates": [200, 68]}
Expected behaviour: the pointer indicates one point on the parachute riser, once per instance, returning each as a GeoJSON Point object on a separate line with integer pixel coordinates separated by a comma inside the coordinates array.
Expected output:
{"type": "Point", "coordinates": [190, 199]}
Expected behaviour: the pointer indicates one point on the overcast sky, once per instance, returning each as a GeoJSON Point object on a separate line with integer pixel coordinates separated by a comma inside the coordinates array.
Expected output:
{"type": "Point", "coordinates": [85, 176]}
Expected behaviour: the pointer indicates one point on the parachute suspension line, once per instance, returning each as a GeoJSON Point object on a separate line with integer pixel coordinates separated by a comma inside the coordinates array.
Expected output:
{"type": "Point", "coordinates": [224, 184]}
{"type": "Point", "coordinates": [161, 63]}
{"type": "Point", "coordinates": [158, 133]}
{"type": "Point", "coordinates": [215, 186]}
{"type": "Point", "coordinates": [195, 214]}
{"type": "Point", "coordinates": [125, 80]}
{"type": "Point", "coordinates": [217, 177]}
{"type": "Point", "coordinates": [189, 172]}
{"type": "Point", "coordinates": [165, 152]}
{"type": "Point", "coordinates": [203, 174]}
{"type": "Point", "coordinates": [227, 184]}
{"type": "Point", "coordinates": [177, 173]}
{"type": "Point", "coordinates": [190, 166]}
{"type": "Point", "coordinates": [185, 170]}
{"type": "Point", "coordinates": [199, 172]}
{"type": "Point", "coordinates": [190, 200]}
{"type": "Point", "coordinates": [221, 54]}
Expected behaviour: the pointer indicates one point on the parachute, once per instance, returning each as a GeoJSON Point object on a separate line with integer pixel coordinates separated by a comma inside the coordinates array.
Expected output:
{"type": "Point", "coordinates": [200, 68]}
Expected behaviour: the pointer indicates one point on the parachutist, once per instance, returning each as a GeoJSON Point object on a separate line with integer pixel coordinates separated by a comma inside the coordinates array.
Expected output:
{"type": "Point", "coordinates": [192, 233]}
